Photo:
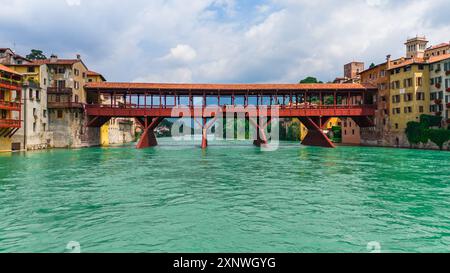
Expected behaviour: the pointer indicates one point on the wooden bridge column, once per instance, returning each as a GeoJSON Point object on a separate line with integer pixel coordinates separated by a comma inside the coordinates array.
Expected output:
{"type": "Point", "coordinates": [261, 138]}
{"type": "Point", "coordinates": [315, 136]}
{"type": "Point", "coordinates": [205, 127]}
{"type": "Point", "coordinates": [148, 138]}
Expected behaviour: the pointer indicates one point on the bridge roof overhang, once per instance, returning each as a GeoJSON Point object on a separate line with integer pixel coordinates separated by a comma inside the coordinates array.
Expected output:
{"type": "Point", "coordinates": [223, 89]}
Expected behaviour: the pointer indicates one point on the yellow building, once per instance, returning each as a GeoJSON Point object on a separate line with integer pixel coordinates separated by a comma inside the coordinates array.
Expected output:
{"type": "Point", "coordinates": [105, 129]}
{"type": "Point", "coordinates": [409, 95]}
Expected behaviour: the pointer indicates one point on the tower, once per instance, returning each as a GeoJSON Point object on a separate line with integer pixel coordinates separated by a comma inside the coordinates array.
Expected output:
{"type": "Point", "coordinates": [415, 47]}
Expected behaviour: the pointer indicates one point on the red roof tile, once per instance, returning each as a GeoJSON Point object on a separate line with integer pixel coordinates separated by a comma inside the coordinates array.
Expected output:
{"type": "Point", "coordinates": [436, 59]}
{"type": "Point", "coordinates": [174, 86]}
{"type": "Point", "coordinates": [438, 46]}
{"type": "Point", "coordinates": [8, 70]}
{"type": "Point", "coordinates": [58, 61]}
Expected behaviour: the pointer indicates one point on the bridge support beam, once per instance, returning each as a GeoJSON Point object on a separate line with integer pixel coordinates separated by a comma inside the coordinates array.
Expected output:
{"type": "Point", "coordinates": [261, 138]}
{"type": "Point", "coordinates": [148, 138]}
{"type": "Point", "coordinates": [315, 136]}
{"type": "Point", "coordinates": [205, 127]}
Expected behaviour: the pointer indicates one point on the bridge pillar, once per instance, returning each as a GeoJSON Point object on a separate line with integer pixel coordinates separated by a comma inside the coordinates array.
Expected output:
{"type": "Point", "coordinates": [205, 127]}
{"type": "Point", "coordinates": [148, 138]}
{"type": "Point", "coordinates": [315, 136]}
{"type": "Point", "coordinates": [261, 138]}
{"type": "Point", "coordinates": [204, 134]}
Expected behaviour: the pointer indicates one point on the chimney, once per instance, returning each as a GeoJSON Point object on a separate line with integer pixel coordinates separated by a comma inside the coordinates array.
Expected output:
{"type": "Point", "coordinates": [388, 62]}
{"type": "Point", "coordinates": [78, 57]}
{"type": "Point", "coordinates": [53, 58]}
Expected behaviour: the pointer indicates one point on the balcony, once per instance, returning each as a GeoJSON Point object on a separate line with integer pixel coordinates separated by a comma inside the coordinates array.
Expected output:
{"type": "Point", "coordinates": [9, 123]}
{"type": "Point", "coordinates": [10, 82]}
{"type": "Point", "coordinates": [59, 90]}
{"type": "Point", "coordinates": [64, 105]}
{"type": "Point", "coordinates": [11, 106]}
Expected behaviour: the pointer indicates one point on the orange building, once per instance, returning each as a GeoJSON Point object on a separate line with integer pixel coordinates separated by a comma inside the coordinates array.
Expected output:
{"type": "Point", "coordinates": [10, 107]}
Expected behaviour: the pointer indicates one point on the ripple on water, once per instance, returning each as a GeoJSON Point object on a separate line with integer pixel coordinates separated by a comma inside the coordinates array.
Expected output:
{"type": "Point", "coordinates": [177, 198]}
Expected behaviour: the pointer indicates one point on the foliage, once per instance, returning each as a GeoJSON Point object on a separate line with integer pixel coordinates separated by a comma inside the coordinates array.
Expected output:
{"type": "Point", "coordinates": [420, 132]}
{"type": "Point", "coordinates": [310, 80]}
{"type": "Point", "coordinates": [372, 65]}
{"type": "Point", "coordinates": [36, 55]}
{"type": "Point", "coordinates": [414, 133]}
{"type": "Point", "coordinates": [337, 134]}
{"type": "Point", "coordinates": [439, 136]}
{"type": "Point", "coordinates": [431, 121]}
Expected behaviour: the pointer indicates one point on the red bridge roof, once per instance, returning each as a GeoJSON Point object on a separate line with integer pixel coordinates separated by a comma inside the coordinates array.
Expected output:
{"type": "Point", "coordinates": [182, 86]}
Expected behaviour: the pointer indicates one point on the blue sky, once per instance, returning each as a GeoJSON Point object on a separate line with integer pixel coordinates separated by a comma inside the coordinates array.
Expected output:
{"type": "Point", "coordinates": [221, 40]}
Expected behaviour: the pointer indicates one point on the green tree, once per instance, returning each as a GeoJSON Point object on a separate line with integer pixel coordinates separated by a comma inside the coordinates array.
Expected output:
{"type": "Point", "coordinates": [439, 137]}
{"type": "Point", "coordinates": [36, 55]}
{"type": "Point", "coordinates": [310, 80]}
{"type": "Point", "coordinates": [414, 133]}
{"type": "Point", "coordinates": [372, 65]}
{"type": "Point", "coordinates": [430, 121]}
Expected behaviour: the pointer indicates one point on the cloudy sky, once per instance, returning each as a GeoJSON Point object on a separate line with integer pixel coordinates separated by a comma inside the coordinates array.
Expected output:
{"type": "Point", "coordinates": [224, 41]}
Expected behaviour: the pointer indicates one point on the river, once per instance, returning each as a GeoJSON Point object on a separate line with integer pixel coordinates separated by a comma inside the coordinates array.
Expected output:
{"type": "Point", "coordinates": [230, 198]}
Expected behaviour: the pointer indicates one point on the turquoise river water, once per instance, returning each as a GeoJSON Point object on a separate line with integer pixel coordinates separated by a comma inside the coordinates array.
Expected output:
{"type": "Point", "coordinates": [230, 198]}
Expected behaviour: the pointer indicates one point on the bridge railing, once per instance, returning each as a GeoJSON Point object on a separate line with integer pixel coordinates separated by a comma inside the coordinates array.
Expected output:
{"type": "Point", "coordinates": [298, 106]}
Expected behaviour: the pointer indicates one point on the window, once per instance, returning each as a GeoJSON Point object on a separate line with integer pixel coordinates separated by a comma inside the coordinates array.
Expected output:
{"type": "Point", "coordinates": [77, 85]}
{"type": "Point", "coordinates": [44, 113]}
{"type": "Point", "coordinates": [396, 99]}
{"type": "Point", "coordinates": [61, 70]}
{"type": "Point", "coordinates": [396, 126]}
{"type": "Point", "coordinates": [408, 109]}
{"type": "Point", "coordinates": [353, 132]}
{"type": "Point", "coordinates": [45, 81]}
{"type": "Point", "coordinates": [38, 95]}
{"type": "Point", "coordinates": [30, 94]}
{"type": "Point", "coordinates": [34, 126]}
{"type": "Point", "coordinates": [90, 80]}
{"type": "Point", "coordinates": [407, 82]}
{"type": "Point", "coordinates": [419, 81]}
{"type": "Point", "coordinates": [76, 72]}
{"type": "Point", "coordinates": [420, 96]}
{"type": "Point", "coordinates": [76, 98]}
{"type": "Point", "coordinates": [31, 69]}
{"type": "Point", "coordinates": [421, 109]}
{"type": "Point", "coordinates": [408, 97]}
{"type": "Point", "coordinates": [407, 68]}
{"type": "Point", "coordinates": [60, 114]}
{"type": "Point", "coordinates": [421, 67]}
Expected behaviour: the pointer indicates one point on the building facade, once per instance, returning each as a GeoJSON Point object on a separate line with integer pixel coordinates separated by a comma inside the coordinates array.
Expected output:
{"type": "Point", "coordinates": [116, 130]}
{"type": "Point", "coordinates": [34, 134]}
{"type": "Point", "coordinates": [377, 76]}
{"type": "Point", "coordinates": [351, 132]}
{"type": "Point", "coordinates": [440, 86]}
{"type": "Point", "coordinates": [66, 100]}
{"type": "Point", "coordinates": [409, 98]}
{"type": "Point", "coordinates": [10, 107]}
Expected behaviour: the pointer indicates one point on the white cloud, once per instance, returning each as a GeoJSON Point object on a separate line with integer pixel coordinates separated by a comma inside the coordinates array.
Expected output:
{"type": "Point", "coordinates": [181, 52]}
{"type": "Point", "coordinates": [221, 40]}
{"type": "Point", "coordinates": [73, 2]}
